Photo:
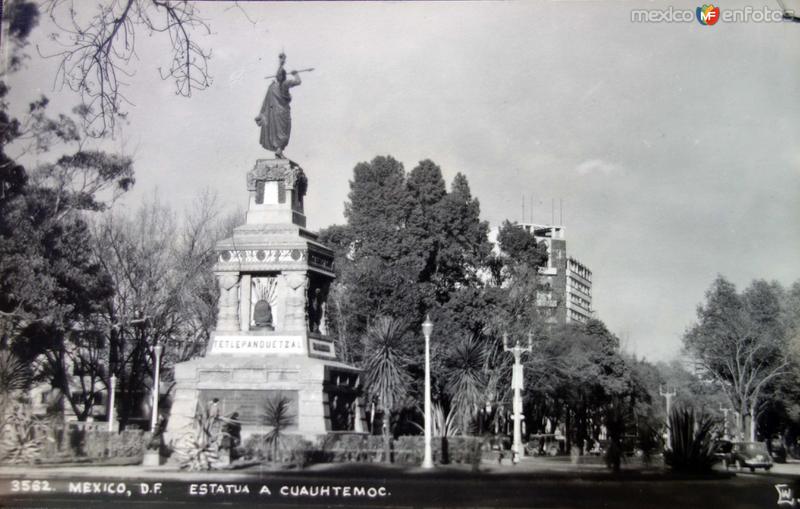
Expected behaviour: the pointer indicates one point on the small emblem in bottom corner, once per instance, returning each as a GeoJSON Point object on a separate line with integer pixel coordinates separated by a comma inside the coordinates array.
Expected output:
{"type": "Point", "coordinates": [785, 495]}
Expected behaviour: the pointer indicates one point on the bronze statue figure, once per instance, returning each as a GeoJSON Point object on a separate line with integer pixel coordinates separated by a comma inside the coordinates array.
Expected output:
{"type": "Point", "coordinates": [275, 115]}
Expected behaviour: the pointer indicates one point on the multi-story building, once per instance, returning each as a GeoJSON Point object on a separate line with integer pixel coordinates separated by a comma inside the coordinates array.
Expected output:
{"type": "Point", "coordinates": [564, 285]}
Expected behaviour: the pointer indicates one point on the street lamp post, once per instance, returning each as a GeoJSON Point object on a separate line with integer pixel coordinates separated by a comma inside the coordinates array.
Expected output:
{"type": "Point", "coordinates": [111, 391]}
{"type": "Point", "coordinates": [517, 383]}
{"type": "Point", "coordinates": [154, 413]}
{"type": "Point", "coordinates": [427, 328]}
{"type": "Point", "coordinates": [668, 395]}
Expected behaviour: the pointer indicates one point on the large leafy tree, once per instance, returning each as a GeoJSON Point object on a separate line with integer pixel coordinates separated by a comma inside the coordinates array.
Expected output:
{"type": "Point", "coordinates": [50, 285]}
{"type": "Point", "coordinates": [741, 343]}
{"type": "Point", "coordinates": [578, 378]}
{"type": "Point", "coordinates": [409, 246]}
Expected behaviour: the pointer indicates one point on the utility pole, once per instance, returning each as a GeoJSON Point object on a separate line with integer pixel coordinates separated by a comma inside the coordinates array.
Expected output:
{"type": "Point", "coordinates": [668, 395]}
{"type": "Point", "coordinates": [517, 383]}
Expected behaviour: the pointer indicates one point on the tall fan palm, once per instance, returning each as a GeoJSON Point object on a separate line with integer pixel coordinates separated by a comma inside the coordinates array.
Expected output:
{"type": "Point", "coordinates": [14, 378]}
{"type": "Point", "coordinates": [277, 415]}
{"type": "Point", "coordinates": [466, 377]}
{"type": "Point", "coordinates": [14, 374]}
{"type": "Point", "coordinates": [385, 368]}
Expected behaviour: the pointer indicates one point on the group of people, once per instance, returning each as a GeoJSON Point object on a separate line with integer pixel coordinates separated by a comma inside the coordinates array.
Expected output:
{"type": "Point", "coordinates": [229, 429]}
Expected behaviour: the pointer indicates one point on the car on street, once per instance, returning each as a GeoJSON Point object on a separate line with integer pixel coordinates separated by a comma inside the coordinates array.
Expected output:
{"type": "Point", "coordinates": [743, 455]}
{"type": "Point", "coordinates": [722, 451]}
{"type": "Point", "coordinates": [777, 450]}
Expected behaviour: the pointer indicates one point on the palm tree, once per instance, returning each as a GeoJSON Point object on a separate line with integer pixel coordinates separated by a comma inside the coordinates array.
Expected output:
{"type": "Point", "coordinates": [385, 368]}
{"type": "Point", "coordinates": [466, 377]}
{"type": "Point", "coordinates": [277, 416]}
{"type": "Point", "coordinates": [14, 374]}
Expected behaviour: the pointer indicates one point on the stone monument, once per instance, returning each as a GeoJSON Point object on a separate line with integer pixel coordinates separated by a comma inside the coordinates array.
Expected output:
{"type": "Point", "coordinates": [271, 339]}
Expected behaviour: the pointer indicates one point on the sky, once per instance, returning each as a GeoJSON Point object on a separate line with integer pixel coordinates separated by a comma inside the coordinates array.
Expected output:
{"type": "Point", "coordinates": [674, 147]}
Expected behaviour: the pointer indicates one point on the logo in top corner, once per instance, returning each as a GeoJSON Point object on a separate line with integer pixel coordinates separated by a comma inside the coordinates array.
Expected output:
{"type": "Point", "coordinates": [708, 14]}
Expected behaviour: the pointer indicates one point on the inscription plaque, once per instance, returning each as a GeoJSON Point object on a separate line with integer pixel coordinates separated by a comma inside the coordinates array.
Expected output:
{"type": "Point", "coordinates": [248, 345]}
{"type": "Point", "coordinates": [250, 404]}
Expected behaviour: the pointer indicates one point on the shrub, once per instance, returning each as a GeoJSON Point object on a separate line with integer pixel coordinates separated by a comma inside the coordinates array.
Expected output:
{"type": "Point", "coordinates": [294, 449]}
{"type": "Point", "coordinates": [22, 434]}
{"type": "Point", "coordinates": [351, 447]}
{"type": "Point", "coordinates": [461, 449]}
{"type": "Point", "coordinates": [692, 451]}
{"type": "Point", "coordinates": [358, 447]}
{"type": "Point", "coordinates": [57, 443]}
{"type": "Point", "coordinates": [198, 448]}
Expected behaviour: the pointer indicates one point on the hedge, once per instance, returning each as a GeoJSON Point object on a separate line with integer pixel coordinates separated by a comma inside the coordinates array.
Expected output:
{"type": "Point", "coordinates": [359, 447]}
{"type": "Point", "coordinates": [75, 442]}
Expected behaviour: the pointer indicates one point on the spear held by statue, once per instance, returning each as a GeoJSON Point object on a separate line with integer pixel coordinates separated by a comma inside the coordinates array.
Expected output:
{"type": "Point", "coordinates": [293, 72]}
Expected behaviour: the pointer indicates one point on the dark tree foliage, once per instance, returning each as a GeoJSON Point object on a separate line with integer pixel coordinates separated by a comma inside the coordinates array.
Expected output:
{"type": "Point", "coordinates": [521, 246]}
{"type": "Point", "coordinates": [578, 378]}
{"type": "Point", "coordinates": [50, 284]}
{"type": "Point", "coordinates": [408, 247]}
{"type": "Point", "coordinates": [21, 17]}
{"type": "Point", "coordinates": [376, 209]}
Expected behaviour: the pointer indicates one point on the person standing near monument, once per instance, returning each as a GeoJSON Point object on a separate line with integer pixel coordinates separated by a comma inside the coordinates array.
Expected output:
{"type": "Point", "coordinates": [275, 116]}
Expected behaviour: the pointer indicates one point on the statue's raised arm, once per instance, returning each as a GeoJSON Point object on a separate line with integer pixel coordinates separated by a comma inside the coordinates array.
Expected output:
{"type": "Point", "coordinates": [275, 117]}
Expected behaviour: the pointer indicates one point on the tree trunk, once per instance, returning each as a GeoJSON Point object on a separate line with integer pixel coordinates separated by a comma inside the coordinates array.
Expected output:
{"type": "Point", "coordinates": [568, 430]}
{"type": "Point", "coordinates": [753, 421]}
{"type": "Point", "coordinates": [741, 417]}
{"type": "Point", "coordinates": [387, 445]}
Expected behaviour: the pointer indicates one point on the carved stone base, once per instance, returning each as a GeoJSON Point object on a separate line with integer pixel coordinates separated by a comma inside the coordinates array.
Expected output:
{"type": "Point", "coordinates": [244, 384]}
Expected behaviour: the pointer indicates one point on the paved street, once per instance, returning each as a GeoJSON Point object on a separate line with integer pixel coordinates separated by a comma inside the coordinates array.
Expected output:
{"type": "Point", "coordinates": [534, 483]}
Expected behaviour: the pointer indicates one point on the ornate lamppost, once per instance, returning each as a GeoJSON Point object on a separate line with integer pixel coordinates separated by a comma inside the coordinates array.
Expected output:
{"type": "Point", "coordinates": [157, 368]}
{"type": "Point", "coordinates": [517, 383]}
{"type": "Point", "coordinates": [668, 395]}
{"type": "Point", "coordinates": [427, 328]}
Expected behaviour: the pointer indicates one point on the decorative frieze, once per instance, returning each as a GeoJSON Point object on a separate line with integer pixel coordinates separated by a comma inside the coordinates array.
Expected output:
{"type": "Point", "coordinates": [262, 256]}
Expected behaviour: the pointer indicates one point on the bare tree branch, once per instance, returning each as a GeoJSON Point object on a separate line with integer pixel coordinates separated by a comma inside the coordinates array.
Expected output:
{"type": "Point", "coordinates": [97, 55]}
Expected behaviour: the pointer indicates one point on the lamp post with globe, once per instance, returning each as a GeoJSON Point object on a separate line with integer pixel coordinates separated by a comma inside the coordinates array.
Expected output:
{"type": "Point", "coordinates": [156, 370]}
{"type": "Point", "coordinates": [427, 328]}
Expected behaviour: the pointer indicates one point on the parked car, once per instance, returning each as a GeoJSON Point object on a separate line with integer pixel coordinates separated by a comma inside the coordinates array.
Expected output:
{"type": "Point", "coordinates": [750, 455]}
{"type": "Point", "coordinates": [722, 451]}
{"type": "Point", "coordinates": [777, 450]}
{"type": "Point", "coordinates": [546, 444]}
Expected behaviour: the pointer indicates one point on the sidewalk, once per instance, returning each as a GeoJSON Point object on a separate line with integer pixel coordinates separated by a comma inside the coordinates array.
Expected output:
{"type": "Point", "coordinates": [527, 467]}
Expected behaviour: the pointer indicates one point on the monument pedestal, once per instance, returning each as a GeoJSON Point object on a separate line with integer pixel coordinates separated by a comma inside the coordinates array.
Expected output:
{"type": "Point", "coordinates": [271, 341]}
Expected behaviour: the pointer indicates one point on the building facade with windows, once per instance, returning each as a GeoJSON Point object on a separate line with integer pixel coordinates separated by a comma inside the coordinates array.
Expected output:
{"type": "Point", "coordinates": [564, 285]}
